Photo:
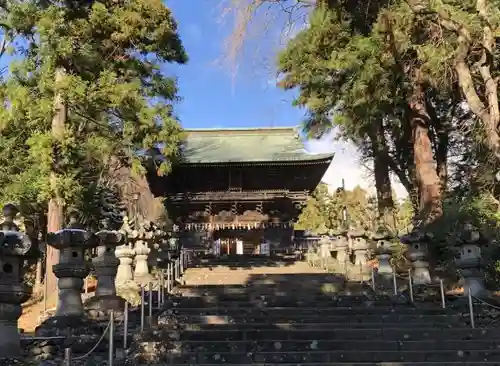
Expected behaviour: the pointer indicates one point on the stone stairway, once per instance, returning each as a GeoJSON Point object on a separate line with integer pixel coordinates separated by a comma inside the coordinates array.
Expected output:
{"type": "Point", "coordinates": [289, 314]}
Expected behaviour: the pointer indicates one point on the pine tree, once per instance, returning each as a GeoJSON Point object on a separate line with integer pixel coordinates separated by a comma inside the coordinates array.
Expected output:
{"type": "Point", "coordinates": [93, 71]}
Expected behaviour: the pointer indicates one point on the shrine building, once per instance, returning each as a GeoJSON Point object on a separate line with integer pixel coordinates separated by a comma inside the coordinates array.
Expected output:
{"type": "Point", "coordinates": [239, 185]}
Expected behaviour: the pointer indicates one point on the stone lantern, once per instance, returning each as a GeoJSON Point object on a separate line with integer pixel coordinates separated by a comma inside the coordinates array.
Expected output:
{"type": "Point", "coordinates": [125, 255]}
{"type": "Point", "coordinates": [342, 246]}
{"type": "Point", "coordinates": [360, 247]}
{"type": "Point", "coordinates": [106, 265]}
{"type": "Point", "coordinates": [141, 239]}
{"type": "Point", "coordinates": [417, 253]}
{"type": "Point", "coordinates": [383, 251]}
{"type": "Point", "coordinates": [470, 262]}
{"type": "Point", "coordinates": [13, 292]}
{"type": "Point", "coordinates": [324, 247]}
{"type": "Point", "coordinates": [71, 269]}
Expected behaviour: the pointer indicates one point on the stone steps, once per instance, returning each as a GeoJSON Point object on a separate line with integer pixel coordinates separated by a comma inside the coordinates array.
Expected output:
{"type": "Point", "coordinates": [337, 345]}
{"type": "Point", "coordinates": [434, 363]}
{"type": "Point", "coordinates": [313, 319]}
{"type": "Point", "coordinates": [386, 334]}
{"type": "Point", "coordinates": [304, 319]}
{"type": "Point", "coordinates": [310, 326]}
{"type": "Point", "coordinates": [319, 311]}
{"type": "Point", "coordinates": [359, 355]}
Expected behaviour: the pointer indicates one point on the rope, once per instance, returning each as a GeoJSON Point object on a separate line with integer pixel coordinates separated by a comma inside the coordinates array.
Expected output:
{"type": "Point", "coordinates": [485, 303]}
{"type": "Point", "coordinates": [96, 345]}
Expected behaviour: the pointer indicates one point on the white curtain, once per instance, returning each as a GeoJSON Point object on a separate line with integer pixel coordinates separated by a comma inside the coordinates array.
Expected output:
{"type": "Point", "coordinates": [239, 247]}
{"type": "Point", "coordinates": [216, 247]}
{"type": "Point", "coordinates": [265, 248]}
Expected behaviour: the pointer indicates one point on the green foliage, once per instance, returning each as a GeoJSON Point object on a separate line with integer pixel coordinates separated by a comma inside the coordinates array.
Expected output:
{"type": "Point", "coordinates": [323, 212]}
{"type": "Point", "coordinates": [119, 99]}
{"type": "Point", "coordinates": [354, 71]}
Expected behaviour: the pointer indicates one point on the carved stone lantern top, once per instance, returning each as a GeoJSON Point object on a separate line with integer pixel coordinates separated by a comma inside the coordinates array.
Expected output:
{"type": "Point", "coordinates": [10, 212]}
{"type": "Point", "coordinates": [359, 240]}
{"type": "Point", "coordinates": [382, 239]}
{"type": "Point", "coordinates": [72, 237]}
{"type": "Point", "coordinates": [417, 242]}
{"type": "Point", "coordinates": [14, 242]}
{"type": "Point", "coordinates": [470, 242]}
{"type": "Point", "coordinates": [14, 247]}
{"type": "Point", "coordinates": [109, 237]}
{"type": "Point", "coordinates": [341, 242]}
{"type": "Point", "coordinates": [470, 235]}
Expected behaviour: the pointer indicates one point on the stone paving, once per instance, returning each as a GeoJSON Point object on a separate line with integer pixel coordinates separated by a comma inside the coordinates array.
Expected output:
{"type": "Point", "coordinates": [290, 314]}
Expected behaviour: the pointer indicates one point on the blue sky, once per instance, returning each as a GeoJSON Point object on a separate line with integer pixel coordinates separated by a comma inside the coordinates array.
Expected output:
{"type": "Point", "coordinates": [212, 98]}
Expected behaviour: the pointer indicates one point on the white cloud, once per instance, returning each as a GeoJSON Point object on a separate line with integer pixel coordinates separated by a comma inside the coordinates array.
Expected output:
{"type": "Point", "coordinates": [346, 165]}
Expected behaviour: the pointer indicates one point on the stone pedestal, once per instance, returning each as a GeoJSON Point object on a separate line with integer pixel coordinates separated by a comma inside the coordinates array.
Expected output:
{"type": "Point", "coordinates": [106, 264]}
{"type": "Point", "coordinates": [14, 246]}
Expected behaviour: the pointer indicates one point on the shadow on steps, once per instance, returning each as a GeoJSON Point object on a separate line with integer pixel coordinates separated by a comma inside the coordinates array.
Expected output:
{"type": "Point", "coordinates": [306, 319]}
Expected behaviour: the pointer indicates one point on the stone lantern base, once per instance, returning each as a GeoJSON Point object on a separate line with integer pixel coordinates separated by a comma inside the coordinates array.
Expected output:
{"type": "Point", "coordinates": [476, 286]}
{"type": "Point", "coordinates": [81, 332]}
{"type": "Point", "coordinates": [9, 334]}
{"type": "Point", "coordinates": [473, 279]}
{"type": "Point", "coordinates": [99, 307]}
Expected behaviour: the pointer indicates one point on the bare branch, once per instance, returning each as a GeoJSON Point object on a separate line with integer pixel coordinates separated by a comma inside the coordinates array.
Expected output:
{"type": "Point", "coordinates": [270, 23]}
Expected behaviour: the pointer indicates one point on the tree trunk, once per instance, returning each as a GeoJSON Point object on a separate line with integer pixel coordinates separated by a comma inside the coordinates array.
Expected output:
{"type": "Point", "coordinates": [55, 216]}
{"type": "Point", "coordinates": [385, 202]}
{"type": "Point", "coordinates": [37, 288]}
{"type": "Point", "coordinates": [430, 198]}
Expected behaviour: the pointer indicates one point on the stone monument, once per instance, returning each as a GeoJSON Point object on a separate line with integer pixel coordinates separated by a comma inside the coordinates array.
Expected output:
{"type": "Point", "coordinates": [15, 245]}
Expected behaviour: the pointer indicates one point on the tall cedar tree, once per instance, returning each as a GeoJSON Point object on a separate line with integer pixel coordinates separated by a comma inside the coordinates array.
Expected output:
{"type": "Point", "coordinates": [397, 75]}
{"type": "Point", "coordinates": [89, 90]}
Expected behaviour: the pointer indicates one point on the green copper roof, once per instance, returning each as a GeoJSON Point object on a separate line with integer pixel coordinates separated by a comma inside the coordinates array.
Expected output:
{"type": "Point", "coordinates": [246, 145]}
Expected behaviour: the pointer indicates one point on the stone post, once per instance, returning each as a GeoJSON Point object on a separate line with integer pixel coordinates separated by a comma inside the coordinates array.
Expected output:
{"type": "Point", "coordinates": [417, 254]}
{"type": "Point", "coordinates": [470, 262]}
{"type": "Point", "coordinates": [106, 265]}
{"type": "Point", "coordinates": [13, 250]}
